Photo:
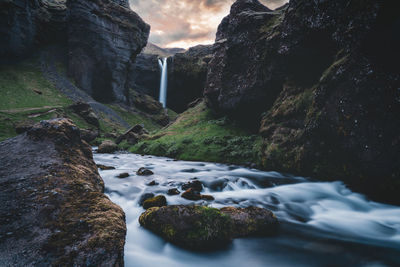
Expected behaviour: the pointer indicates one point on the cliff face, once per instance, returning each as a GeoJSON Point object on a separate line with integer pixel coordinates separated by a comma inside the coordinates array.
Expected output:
{"type": "Point", "coordinates": [145, 75]}
{"type": "Point", "coordinates": [187, 76]}
{"type": "Point", "coordinates": [54, 211]}
{"type": "Point", "coordinates": [104, 38]}
{"type": "Point", "coordinates": [25, 24]}
{"type": "Point", "coordinates": [322, 77]}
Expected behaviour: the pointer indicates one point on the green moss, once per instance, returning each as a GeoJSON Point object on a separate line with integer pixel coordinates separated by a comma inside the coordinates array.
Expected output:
{"type": "Point", "coordinates": [17, 85]}
{"type": "Point", "coordinates": [332, 68]}
{"type": "Point", "coordinates": [197, 135]}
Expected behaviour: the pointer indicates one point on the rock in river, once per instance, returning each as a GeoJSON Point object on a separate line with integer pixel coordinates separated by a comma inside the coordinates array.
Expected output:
{"type": "Point", "coordinates": [144, 172]}
{"type": "Point", "coordinates": [53, 202]}
{"type": "Point", "coordinates": [107, 146]}
{"type": "Point", "coordinates": [199, 227]}
{"type": "Point", "coordinates": [157, 201]}
{"type": "Point", "coordinates": [193, 227]}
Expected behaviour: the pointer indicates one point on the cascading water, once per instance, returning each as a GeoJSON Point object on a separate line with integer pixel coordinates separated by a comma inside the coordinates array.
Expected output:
{"type": "Point", "coordinates": [164, 81]}
{"type": "Point", "coordinates": [322, 223]}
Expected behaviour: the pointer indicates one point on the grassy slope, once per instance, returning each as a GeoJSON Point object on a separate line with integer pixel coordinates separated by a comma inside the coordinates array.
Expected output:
{"type": "Point", "coordinates": [197, 135]}
{"type": "Point", "coordinates": [20, 103]}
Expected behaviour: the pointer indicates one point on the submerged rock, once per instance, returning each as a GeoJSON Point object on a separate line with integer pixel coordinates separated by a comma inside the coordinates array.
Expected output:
{"type": "Point", "coordinates": [196, 185]}
{"type": "Point", "coordinates": [144, 172]}
{"type": "Point", "coordinates": [104, 167]}
{"type": "Point", "coordinates": [145, 197]}
{"type": "Point", "coordinates": [107, 146]}
{"type": "Point", "coordinates": [53, 202]}
{"type": "Point", "coordinates": [193, 227]}
{"type": "Point", "coordinates": [207, 197]}
{"type": "Point", "coordinates": [191, 194]}
{"type": "Point", "coordinates": [152, 183]}
{"type": "Point", "coordinates": [157, 201]}
{"type": "Point", "coordinates": [173, 192]}
{"type": "Point", "coordinates": [123, 175]}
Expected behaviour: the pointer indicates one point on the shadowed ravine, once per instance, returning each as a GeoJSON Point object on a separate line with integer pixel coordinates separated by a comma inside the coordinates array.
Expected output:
{"type": "Point", "coordinates": [321, 222]}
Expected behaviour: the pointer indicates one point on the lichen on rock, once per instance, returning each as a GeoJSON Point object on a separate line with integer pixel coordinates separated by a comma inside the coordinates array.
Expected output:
{"type": "Point", "coordinates": [52, 190]}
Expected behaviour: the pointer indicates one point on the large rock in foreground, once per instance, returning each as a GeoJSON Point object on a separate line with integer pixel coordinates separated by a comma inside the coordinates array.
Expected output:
{"type": "Point", "coordinates": [53, 208]}
{"type": "Point", "coordinates": [199, 227]}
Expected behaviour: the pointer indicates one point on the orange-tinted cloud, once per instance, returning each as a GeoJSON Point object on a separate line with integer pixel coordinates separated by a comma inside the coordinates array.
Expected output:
{"type": "Point", "coordinates": [185, 23]}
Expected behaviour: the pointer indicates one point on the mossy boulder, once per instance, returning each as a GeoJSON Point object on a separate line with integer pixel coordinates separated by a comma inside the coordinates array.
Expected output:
{"type": "Point", "coordinates": [107, 146]}
{"type": "Point", "coordinates": [251, 221]}
{"type": "Point", "coordinates": [200, 227]}
{"type": "Point", "coordinates": [157, 201]}
{"type": "Point", "coordinates": [194, 227]}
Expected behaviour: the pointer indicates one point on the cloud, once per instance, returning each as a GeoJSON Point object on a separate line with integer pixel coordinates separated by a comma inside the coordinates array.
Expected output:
{"type": "Point", "coordinates": [185, 23]}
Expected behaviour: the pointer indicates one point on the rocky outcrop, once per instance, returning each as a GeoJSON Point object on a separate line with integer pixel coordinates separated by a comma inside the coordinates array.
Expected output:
{"type": "Point", "coordinates": [107, 146]}
{"type": "Point", "coordinates": [236, 80]}
{"type": "Point", "coordinates": [104, 38]}
{"type": "Point", "coordinates": [187, 74]}
{"type": "Point", "coordinates": [26, 24]}
{"type": "Point", "coordinates": [85, 111]}
{"type": "Point", "coordinates": [199, 227]}
{"type": "Point", "coordinates": [322, 75]}
{"type": "Point", "coordinates": [54, 211]}
{"type": "Point", "coordinates": [145, 75]}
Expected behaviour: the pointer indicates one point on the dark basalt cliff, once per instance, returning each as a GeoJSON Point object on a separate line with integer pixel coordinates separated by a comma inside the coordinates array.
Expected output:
{"type": "Point", "coordinates": [26, 24]}
{"type": "Point", "coordinates": [104, 38]}
{"type": "Point", "coordinates": [322, 80]}
{"type": "Point", "coordinates": [187, 73]}
{"type": "Point", "coordinates": [145, 75]}
{"type": "Point", "coordinates": [53, 208]}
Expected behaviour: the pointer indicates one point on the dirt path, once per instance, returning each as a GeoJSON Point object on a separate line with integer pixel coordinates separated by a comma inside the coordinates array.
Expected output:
{"type": "Point", "coordinates": [62, 83]}
{"type": "Point", "coordinates": [18, 110]}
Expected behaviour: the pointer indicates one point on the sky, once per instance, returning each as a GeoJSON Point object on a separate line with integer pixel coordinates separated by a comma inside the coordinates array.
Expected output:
{"type": "Point", "coordinates": [186, 23]}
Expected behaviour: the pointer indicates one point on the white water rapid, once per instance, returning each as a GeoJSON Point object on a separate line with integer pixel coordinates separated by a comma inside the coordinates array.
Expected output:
{"type": "Point", "coordinates": [164, 81]}
{"type": "Point", "coordinates": [322, 223]}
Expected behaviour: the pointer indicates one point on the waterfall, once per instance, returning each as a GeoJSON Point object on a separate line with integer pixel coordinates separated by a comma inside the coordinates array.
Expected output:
{"type": "Point", "coordinates": [163, 82]}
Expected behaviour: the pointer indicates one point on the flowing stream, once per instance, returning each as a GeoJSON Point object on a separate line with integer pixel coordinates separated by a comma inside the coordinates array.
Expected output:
{"type": "Point", "coordinates": [322, 223]}
{"type": "Point", "coordinates": [164, 81]}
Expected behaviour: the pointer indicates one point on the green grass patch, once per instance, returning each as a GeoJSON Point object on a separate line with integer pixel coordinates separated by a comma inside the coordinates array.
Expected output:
{"type": "Point", "coordinates": [18, 83]}
{"type": "Point", "coordinates": [197, 135]}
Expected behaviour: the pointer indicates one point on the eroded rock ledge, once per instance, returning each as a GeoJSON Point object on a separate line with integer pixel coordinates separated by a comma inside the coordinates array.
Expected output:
{"type": "Point", "coordinates": [53, 208]}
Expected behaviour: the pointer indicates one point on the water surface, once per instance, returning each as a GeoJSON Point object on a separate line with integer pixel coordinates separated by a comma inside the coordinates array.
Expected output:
{"type": "Point", "coordinates": [322, 223]}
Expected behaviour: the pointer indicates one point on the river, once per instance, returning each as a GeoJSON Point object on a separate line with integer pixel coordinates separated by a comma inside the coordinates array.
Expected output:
{"type": "Point", "coordinates": [322, 223]}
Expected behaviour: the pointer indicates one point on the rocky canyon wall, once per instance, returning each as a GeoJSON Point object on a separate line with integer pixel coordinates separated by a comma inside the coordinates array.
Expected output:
{"type": "Point", "coordinates": [320, 80]}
